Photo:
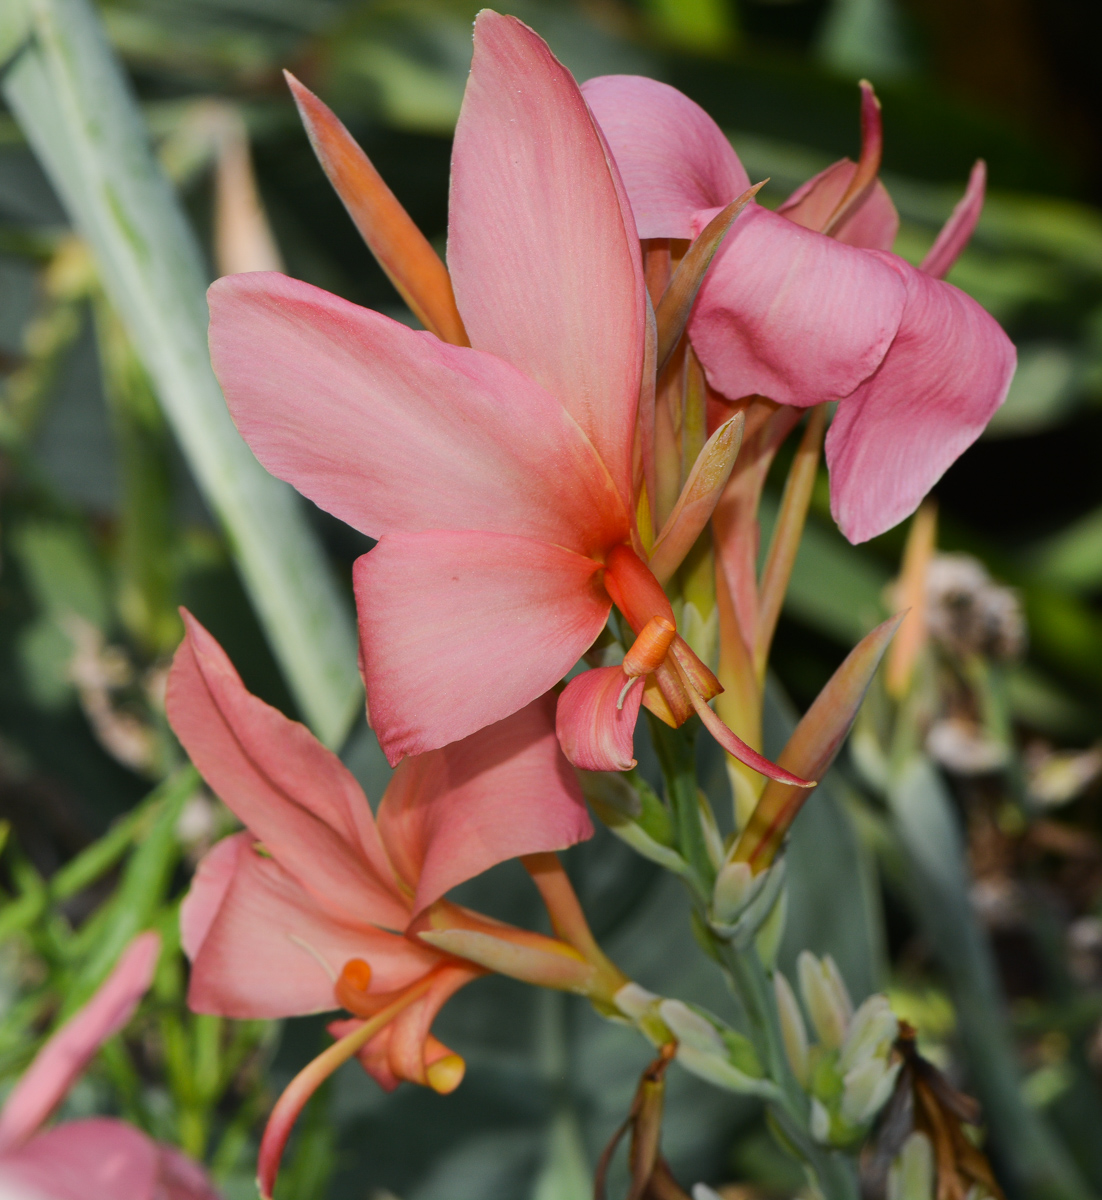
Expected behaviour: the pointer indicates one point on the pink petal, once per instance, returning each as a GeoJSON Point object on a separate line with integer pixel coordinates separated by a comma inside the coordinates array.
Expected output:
{"type": "Point", "coordinates": [182, 1178]}
{"type": "Point", "coordinates": [594, 733]}
{"type": "Point", "coordinates": [270, 950]}
{"type": "Point", "coordinates": [459, 630]}
{"type": "Point", "coordinates": [62, 1059]}
{"type": "Point", "coordinates": [98, 1159]}
{"type": "Point", "coordinates": [673, 158]}
{"type": "Point", "coordinates": [957, 231]}
{"type": "Point", "coordinates": [792, 315]}
{"type": "Point", "coordinates": [542, 249]}
{"type": "Point", "coordinates": [504, 791]}
{"type": "Point", "coordinates": [395, 431]}
{"type": "Point", "coordinates": [947, 372]}
{"type": "Point", "coordinates": [294, 795]}
{"type": "Point", "coordinates": [406, 1047]}
{"type": "Point", "coordinates": [873, 225]}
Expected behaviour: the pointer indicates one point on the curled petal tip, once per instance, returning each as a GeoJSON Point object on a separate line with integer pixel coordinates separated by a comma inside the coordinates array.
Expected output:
{"type": "Point", "coordinates": [446, 1074]}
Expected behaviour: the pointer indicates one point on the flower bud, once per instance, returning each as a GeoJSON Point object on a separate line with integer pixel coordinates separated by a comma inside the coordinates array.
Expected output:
{"type": "Point", "coordinates": [825, 997]}
{"type": "Point", "coordinates": [714, 1052]}
{"type": "Point", "coordinates": [793, 1030]}
{"type": "Point", "coordinates": [911, 1175]}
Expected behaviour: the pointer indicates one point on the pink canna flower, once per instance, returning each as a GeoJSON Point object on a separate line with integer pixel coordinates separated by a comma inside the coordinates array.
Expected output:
{"type": "Point", "coordinates": [498, 475]}
{"type": "Point", "coordinates": [806, 305]}
{"type": "Point", "coordinates": [99, 1158]}
{"type": "Point", "coordinates": [317, 905]}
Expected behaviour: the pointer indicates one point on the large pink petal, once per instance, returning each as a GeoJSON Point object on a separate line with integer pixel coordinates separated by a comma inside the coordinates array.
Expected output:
{"type": "Point", "coordinates": [270, 950]}
{"type": "Point", "coordinates": [792, 315]}
{"type": "Point", "coordinates": [873, 225]}
{"type": "Point", "coordinates": [546, 269]}
{"type": "Point", "coordinates": [595, 734]}
{"type": "Point", "coordinates": [395, 431]}
{"type": "Point", "coordinates": [294, 795]}
{"type": "Point", "coordinates": [62, 1059]}
{"type": "Point", "coordinates": [504, 791]}
{"type": "Point", "coordinates": [459, 630]}
{"type": "Point", "coordinates": [947, 372]}
{"type": "Point", "coordinates": [673, 158]}
{"type": "Point", "coordinates": [98, 1159]}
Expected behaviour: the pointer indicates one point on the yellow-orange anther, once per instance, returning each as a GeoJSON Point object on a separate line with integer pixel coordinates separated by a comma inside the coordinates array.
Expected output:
{"type": "Point", "coordinates": [650, 648]}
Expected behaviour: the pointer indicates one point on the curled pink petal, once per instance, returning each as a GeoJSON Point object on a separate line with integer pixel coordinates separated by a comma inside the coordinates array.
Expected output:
{"type": "Point", "coordinates": [504, 791]}
{"type": "Point", "coordinates": [947, 372]}
{"type": "Point", "coordinates": [673, 158]}
{"type": "Point", "coordinates": [872, 225]}
{"type": "Point", "coordinates": [62, 1059]}
{"type": "Point", "coordinates": [957, 231]}
{"type": "Point", "coordinates": [458, 630]}
{"type": "Point", "coordinates": [791, 314]}
{"type": "Point", "coordinates": [182, 1178]}
{"type": "Point", "coordinates": [595, 728]}
{"type": "Point", "coordinates": [543, 254]}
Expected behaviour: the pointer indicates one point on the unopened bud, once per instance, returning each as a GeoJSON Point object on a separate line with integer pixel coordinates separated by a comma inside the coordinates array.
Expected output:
{"type": "Point", "coordinates": [911, 1176]}
{"type": "Point", "coordinates": [793, 1030]}
{"type": "Point", "coordinates": [825, 998]}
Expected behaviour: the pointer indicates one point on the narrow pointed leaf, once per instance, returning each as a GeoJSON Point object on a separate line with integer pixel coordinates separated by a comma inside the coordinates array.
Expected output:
{"type": "Point", "coordinates": [698, 498]}
{"type": "Point", "coordinates": [69, 96]}
{"type": "Point", "coordinates": [812, 747]}
{"type": "Point", "coordinates": [243, 238]}
{"type": "Point", "coordinates": [677, 302]}
{"type": "Point", "coordinates": [402, 250]}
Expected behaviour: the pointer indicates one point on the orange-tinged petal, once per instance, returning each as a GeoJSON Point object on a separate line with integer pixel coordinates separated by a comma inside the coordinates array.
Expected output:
{"type": "Point", "coordinates": [402, 250]}
{"type": "Point", "coordinates": [596, 719]}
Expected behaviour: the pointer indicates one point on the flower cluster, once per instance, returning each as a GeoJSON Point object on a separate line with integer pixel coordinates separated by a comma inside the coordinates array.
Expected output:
{"type": "Point", "coordinates": [849, 1072]}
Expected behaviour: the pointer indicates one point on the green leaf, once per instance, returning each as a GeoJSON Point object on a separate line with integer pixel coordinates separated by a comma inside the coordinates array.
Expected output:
{"type": "Point", "coordinates": [69, 96]}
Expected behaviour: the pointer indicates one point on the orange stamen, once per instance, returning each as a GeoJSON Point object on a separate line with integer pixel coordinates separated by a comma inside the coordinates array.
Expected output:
{"type": "Point", "coordinates": [649, 649]}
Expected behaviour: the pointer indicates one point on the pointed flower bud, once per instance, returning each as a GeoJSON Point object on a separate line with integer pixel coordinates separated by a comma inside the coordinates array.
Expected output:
{"type": "Point", "coordinates": [825, 997]}
{"type": "Point", "coordinates": [911, 1175]}
{"type": "Point", "coordinates": [715, 1052]}
{"type": "Point", "coordinates": [793, 1029]}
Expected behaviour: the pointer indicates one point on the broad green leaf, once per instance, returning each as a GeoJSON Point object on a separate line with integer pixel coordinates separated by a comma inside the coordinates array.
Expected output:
{"type": "Point", "coordinates": [68, 94]}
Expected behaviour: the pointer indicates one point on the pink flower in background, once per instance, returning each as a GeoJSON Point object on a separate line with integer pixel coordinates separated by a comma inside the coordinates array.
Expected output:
{"type": "Point", "coordinates": [497, 477]}
{"type": "Point", "coordinates": [803, 317]}
{"type": "Point", "coordinates": [99, 1158]}
{"type": "Point", "coordinates": [305, 910]}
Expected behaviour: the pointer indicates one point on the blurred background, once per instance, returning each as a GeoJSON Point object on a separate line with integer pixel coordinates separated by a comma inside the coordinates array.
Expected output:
{"type": "Point", "coordinates": [103, 533]}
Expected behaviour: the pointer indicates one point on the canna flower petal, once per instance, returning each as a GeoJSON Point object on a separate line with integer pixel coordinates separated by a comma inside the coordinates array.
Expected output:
{"type": "Point", "coordinates": [498, 621]}
{"type": "Point", "coordinates": [392, 430]}
{"type": "Point", "coordinates": [873, 224]}
{"type": "Point", "coordinates": [63, 1058]}
{"type": "Point", "coordinates": [451, 814]}
{"type": "Point", "coordinates": [542, 247]}
{"type": "Point", "coordinates": [957, 231]}
{"type": "Point", "coordinates": [98, 1159]}
{"type": "Point", "coordinates": [947, 372]}
{"type": "Point", "coordinates": [791, 314]}
{"type": "Point", "coordinates": [595, 730]}
{"type": "Point", "coordinates": [295, 796]}
{"type": "Point", "coordinates": [674, 159]}
{"type": "Point", "coordinates": [261, 947]}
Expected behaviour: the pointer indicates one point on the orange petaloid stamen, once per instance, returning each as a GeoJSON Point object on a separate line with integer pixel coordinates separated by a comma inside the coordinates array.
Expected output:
{"type": "Point", "coordinates": [649, 649]}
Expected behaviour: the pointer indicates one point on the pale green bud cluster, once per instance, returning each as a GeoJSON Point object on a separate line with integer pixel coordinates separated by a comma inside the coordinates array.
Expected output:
{"type": "Point", "coordinates": [847, 1072]}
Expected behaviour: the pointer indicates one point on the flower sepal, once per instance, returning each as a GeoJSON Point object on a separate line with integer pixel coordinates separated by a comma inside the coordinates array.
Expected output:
{"type": "Point", "coordinates": [743, 903]}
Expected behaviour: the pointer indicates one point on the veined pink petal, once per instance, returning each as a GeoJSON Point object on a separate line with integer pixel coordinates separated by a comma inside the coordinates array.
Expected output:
{"type": "Point", "coordinates": [547, 272]}
{"type": "Point", "coordinates": [957, 231]}
{"type": "Point", "coordinates": [506, 790]}
{"type": "Point", "coordinates": [947, 372]}
{"type": "Point", "coordinates": [62, 1059]}
{"type": "Point", "coordinates": [792, 315]}
{"type": "Point", "coordinates": [268, 949]}
{"type": "Point", "coordinates": [98, 1159]}
{"type": "Point", "coordinates": [294, 795]}
{"type": "Point", "coordinates": [673, 158]}
{"type": "Point", "coordinates": [873, 225]}
{"type": "Point", "coordinates": [395, 431]}
{"type": "Point", "coordinates": [594, 733]}
{"type": "Point", "coordinates": [459, 630]}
